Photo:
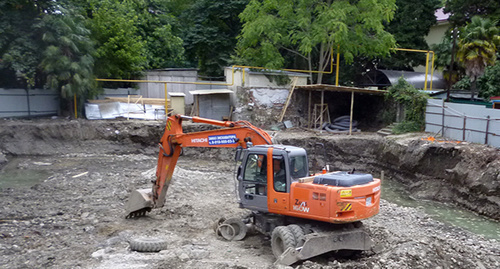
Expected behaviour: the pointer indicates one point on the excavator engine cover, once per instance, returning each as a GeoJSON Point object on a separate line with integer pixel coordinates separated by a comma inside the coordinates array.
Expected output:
{"type": "Point", "coordinates": [343, 179]}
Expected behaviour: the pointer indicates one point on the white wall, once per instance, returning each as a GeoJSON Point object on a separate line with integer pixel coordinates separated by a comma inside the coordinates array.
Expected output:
{"type": "Point", "coordinates": [157, 90]}
{"type": "Point", "coordinates": [22, 103]}
{"type": "Point", "coordinates": [476, 121]}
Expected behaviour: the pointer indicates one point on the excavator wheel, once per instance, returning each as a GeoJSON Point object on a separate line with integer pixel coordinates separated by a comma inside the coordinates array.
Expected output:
{"type": "Point", "coordinates": [298, 233]}
{"type": "Point", "coordinates": [282, 238]}
{"type": "Point", "coordinates": [233, 229]}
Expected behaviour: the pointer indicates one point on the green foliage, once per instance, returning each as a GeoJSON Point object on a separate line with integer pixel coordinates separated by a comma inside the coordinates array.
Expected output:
{"type": "Point", "coordinates": [310, 28]}
{"type": "Point", "coordinates": [120, 51]}
{"type": "Point", "coordinates": [443, 60]}
{"type": "Point", "coordinates": [164, 49]}
{"type": "Point", "coordinates": [67, 60]}
{"type": "Point", "coordinates": [410, 25]}
{"type": "Point", "coordinates": [407, 127]}
{"type": "Point", "coordinates": [414, 102]}
{"type": "Point", "coordinates": [462, 11]}
{"type": "Point", "coordinates": [477, 47]}
{"type": "Point", "coordinates": [488, 84]}
{"type": "Point", "coordinates": [210, 37]}
{"type": "Point", "coordinates": [19, 42]}
{"type": "Point", "coordinates": [463, 84]}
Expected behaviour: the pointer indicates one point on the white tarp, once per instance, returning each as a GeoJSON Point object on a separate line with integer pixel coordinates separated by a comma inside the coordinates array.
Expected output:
{"type": "Point", "coordinates": [114, 110]}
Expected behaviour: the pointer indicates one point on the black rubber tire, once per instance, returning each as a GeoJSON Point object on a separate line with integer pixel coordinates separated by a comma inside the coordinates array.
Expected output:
{"type": "Point", "coordinates": [144, 244]}
{"type": "Point", "coordinates": [237, 233]}
{"type": "Point", "coordinates": [216, 225]}
{"type": "Point", "coordinates": [282, 238]}
{"type": "Point", "coordinates": [298, 233]}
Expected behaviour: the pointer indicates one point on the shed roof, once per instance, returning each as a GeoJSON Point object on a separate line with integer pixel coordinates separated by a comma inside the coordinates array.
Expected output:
{"type": "Point", "coordinates": [385, 78]}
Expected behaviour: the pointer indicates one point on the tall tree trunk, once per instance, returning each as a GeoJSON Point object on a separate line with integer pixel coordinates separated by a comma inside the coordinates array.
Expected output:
{"type": "Point", "coordinates": [321, 63]}
{"type": "Point", "coordinates": [452, 63]}
{"type": "Point", "coordinates": [473, 85]}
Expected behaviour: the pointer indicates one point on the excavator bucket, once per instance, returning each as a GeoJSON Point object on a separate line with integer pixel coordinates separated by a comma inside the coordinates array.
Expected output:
{"type": "Point", "coordinates": [140, 202]}
{"type": "Point", "coordinates": [316, 244]}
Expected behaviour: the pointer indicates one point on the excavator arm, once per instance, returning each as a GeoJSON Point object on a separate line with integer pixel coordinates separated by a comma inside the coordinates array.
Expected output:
{"type": "Point", "coordinates": [235, 134]}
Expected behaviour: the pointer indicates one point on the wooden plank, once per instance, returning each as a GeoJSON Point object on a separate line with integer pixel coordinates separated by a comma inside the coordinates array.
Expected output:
{"type": "Point", "coordinates": [295, 79]}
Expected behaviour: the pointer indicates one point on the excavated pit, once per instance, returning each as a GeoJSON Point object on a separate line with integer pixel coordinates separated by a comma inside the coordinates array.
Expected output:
{"type": "Point", "coordinates": [90, 167]}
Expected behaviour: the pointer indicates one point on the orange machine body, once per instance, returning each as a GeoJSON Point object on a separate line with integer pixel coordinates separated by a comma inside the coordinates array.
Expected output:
{"type": "Point", "coordinates": [322, 202]}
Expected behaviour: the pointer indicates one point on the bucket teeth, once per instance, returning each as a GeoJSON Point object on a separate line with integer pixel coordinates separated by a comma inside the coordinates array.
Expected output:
{"type": "Point", "coordinates": [138, 213]}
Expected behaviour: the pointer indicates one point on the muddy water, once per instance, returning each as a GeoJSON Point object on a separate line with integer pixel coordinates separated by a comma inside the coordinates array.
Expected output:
{"type": "Point", "coordinates": [14, 176]}
{"type": "Point", "coordinates": [394, 192]}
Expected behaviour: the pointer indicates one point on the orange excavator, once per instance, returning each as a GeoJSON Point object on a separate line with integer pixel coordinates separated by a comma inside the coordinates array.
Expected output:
{"type": "Point", "coordinates": [305, 215]}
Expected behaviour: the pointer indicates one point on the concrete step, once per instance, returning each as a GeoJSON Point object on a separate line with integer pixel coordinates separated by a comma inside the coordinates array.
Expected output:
{"type": "Point", "coordinates": [384, 132]}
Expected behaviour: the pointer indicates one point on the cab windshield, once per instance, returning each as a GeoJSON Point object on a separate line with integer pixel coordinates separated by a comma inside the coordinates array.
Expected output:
{"type": "Point", "coordinates": [298, 166]}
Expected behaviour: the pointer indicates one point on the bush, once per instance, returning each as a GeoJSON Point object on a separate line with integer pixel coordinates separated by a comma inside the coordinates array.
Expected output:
{"type": "Point", "coordinates": [488, 84]}
{"type": "Point", "coordinates": [414, 102]}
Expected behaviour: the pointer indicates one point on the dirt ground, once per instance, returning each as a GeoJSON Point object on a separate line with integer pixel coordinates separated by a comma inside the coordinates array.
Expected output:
{"type": "Point", "coordinates": [75, 218]}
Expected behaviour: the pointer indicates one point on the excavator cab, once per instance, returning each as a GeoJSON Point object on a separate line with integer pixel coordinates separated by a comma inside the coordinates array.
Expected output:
{"type": "Point", "coordinates": [266, 171]}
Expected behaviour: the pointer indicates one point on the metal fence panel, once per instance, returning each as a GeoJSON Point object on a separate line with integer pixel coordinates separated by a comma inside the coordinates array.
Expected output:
{"type": "Point", "coordinates": [465, 122]}
{"type": "Point", "coordinates": [25, 103]}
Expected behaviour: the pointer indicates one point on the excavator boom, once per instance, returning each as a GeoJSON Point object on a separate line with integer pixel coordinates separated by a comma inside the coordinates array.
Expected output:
{"type": "Point", "coordinates": [234, 134]}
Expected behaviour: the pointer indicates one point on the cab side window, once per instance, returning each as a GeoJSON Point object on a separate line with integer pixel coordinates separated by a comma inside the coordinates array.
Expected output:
{"type": "Point", "coordinates": [255, 175]}
{"type": "Point", "coordinates": [279, 175]}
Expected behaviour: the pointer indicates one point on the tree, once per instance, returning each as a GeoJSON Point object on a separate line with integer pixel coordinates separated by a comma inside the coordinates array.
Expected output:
{"type": "Point", "coordinates": [477, 48]}
{"type": "Point", "coordinates": [310, 28]}
{"type": "Point", "coordinates": [443, 52]}
{"type": "Point", "coordinates": [120, 50]}
{"type": "Point", "coordinates": [410, 25]}
{"type": "Point", "coordinates": [67, 60]}
{"type": "Point", "coordinates": [163, 47]}
{"type": "Point", "coordinates": [462, 11]}
{"type": "Point", "coordinates": [414, 102]}
{"type": "Point", "coordinates": [20, 42]}
{"type": "Point", "coordinates": [210, 38]}
{"type": "Point", "coordinates": [489, 83]}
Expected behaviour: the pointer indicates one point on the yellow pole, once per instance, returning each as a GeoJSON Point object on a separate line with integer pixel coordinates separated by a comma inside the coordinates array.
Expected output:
{"type": "Point", "coordinates": [426, 70]}
{"type": "Point", "coordinates": [352, 107]}
{"type": "Point", "coordinates": [166, 102]}
{"type": "Point", "coordinates": [243, 76]}
{"type": "Point", "coordinates": [76, 113]}
{"type": "Point", "coordinates": [432, 69]}
{"type": "Point", "coordinates": [337, 71]}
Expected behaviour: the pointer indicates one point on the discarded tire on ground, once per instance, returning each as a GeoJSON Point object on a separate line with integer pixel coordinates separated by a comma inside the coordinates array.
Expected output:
{"type": "Point", "coordinates": [282, 238]}
{"type": "Point", "coordinates": [217, 224]}
{"type": "Point", "coordinates": [233, 229]}
{"type": "Point", "coordinates": [147, 244]}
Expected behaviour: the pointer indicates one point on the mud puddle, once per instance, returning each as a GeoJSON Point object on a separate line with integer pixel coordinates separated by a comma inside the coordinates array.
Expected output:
{"type": "Point", "coordinates": [16, 174]}
{"type": "Point", "coordinates": [395, 192]}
